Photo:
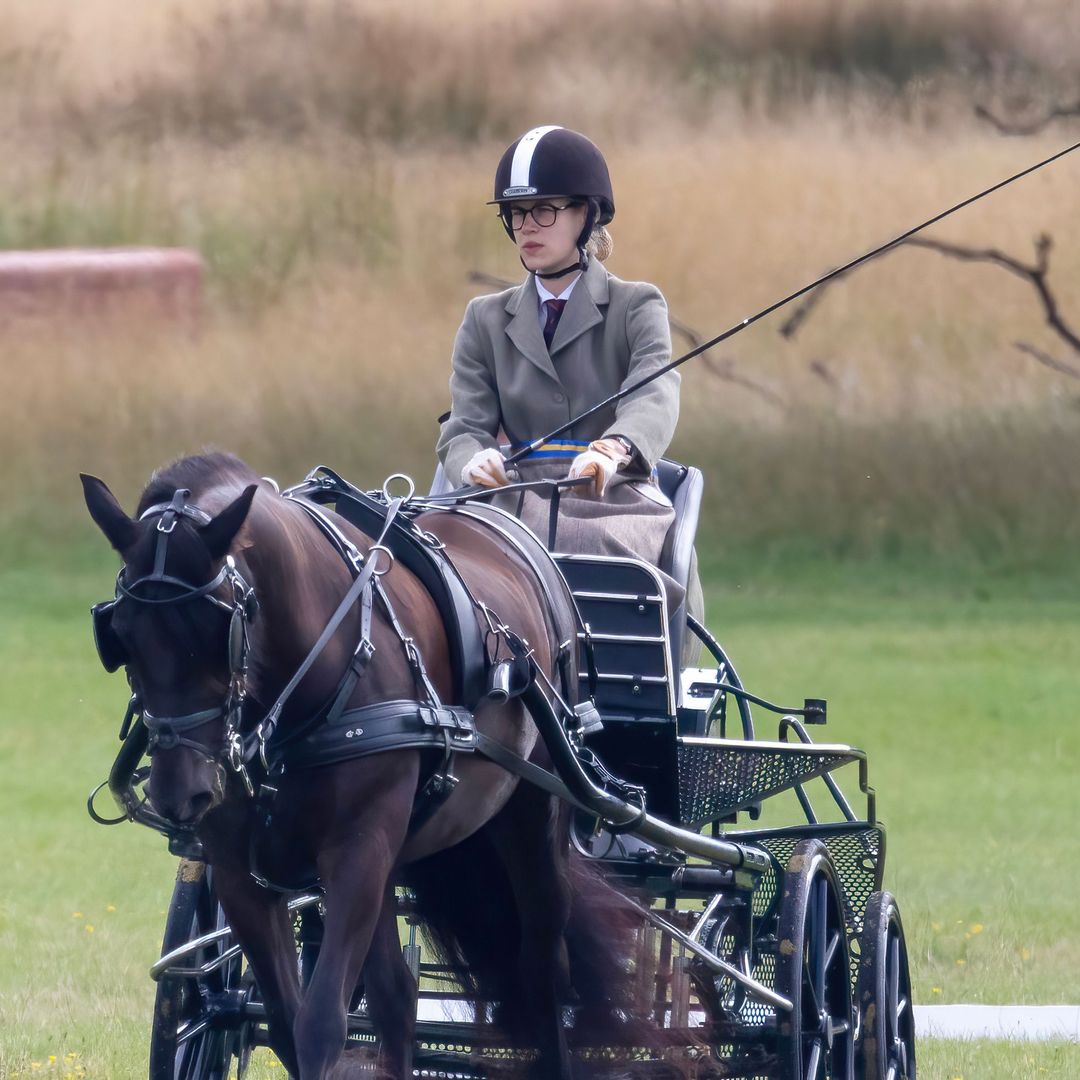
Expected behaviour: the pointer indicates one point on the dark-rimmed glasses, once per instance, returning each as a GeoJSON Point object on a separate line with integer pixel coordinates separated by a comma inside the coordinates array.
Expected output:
{"type": "Point", "coordinates": [544, 214]}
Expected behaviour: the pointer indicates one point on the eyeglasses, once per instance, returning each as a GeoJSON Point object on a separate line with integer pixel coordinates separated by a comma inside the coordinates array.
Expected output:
{"type": "Point", "coordinates": [543, 214]}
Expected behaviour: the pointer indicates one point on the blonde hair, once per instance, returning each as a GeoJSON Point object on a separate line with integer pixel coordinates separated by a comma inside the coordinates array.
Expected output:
{"type": "Point", "coordinates": [600, 244]}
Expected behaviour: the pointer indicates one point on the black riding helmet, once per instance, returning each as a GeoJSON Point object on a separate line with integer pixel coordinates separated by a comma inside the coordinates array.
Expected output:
{"type": "Point", "coordinates": [554, 161]}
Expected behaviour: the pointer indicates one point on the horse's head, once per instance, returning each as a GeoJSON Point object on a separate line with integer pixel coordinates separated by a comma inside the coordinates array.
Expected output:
{"type": "Point", "coordinates": [179, 624]}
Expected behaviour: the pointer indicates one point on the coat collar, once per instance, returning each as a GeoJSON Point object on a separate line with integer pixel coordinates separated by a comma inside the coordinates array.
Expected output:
{"type": "Point", "coordinates": [581, 313]}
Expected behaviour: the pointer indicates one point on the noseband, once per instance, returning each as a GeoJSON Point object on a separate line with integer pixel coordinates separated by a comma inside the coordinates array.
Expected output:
{"type": "Point", "coordinates": [168, 732]}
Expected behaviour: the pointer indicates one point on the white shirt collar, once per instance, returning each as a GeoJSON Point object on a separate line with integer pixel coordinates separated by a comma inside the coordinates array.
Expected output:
{"type": "Point", "coordinates": [546, 294]}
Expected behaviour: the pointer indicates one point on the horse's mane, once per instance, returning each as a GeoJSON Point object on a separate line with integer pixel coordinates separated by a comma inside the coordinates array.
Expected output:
{"type": "Point", "coordinates": [197, 472]}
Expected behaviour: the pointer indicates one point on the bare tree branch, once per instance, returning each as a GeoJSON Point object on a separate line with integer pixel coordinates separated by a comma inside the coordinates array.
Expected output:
{"type": "Point", "coordinates": [790, 326]}
{"type": "Point", "coordinates": [822, 371]}
{"type": "Point", "coordinates": [688, 332]}
{"type": "Point", "coordinates": [478, 277]}
{"type": "Point", "coordinates": [1045, 358]}
{"type": "Point", "coordinates": [725, 369]}
{"type": "Point", "coordinates": [1035, 274]}
{"type": "Point", "coordinates": [1032, 127]}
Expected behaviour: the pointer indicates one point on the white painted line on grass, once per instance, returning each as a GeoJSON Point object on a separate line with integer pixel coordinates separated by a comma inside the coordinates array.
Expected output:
{"type": "Point", "coordinates": [1018, 1023]}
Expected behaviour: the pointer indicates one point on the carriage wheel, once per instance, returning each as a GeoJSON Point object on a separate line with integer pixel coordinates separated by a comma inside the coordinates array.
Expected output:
{"type": "Point", "coordinates": [194, 1037]}
{"type": "Point", "coordinates": [816, 1039]}
{"type": "Point", "coordinates": [887, 1037]}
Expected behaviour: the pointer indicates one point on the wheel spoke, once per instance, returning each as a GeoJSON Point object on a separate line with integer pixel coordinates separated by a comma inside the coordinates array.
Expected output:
{"type": "Point", "coordinates": [814, 1061]}
{"type": "Point", "coordinates": [830, 953]}
{"type": "Point", "coordinates": [821, 901]}
{"type": "Point", "coordinates": [901, 1008]}
{"type": "Point", "coordinates": [893, 971]}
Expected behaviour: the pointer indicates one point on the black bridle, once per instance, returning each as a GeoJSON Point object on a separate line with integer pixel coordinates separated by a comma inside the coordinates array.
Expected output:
{"type": "Point", "coordinates": [169, 732]}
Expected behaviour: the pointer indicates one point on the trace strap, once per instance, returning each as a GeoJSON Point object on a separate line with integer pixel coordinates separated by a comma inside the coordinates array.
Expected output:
{"type": "Point", "coordinates": [265, 731]}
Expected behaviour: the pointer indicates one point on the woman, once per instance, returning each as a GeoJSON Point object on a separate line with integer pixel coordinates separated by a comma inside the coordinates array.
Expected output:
{"type": "Point", "coordinates": [529, 359]}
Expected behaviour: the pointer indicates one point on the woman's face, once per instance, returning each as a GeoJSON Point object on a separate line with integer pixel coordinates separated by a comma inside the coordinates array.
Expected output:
{"type": "Point", "coordinates": [548, 248]}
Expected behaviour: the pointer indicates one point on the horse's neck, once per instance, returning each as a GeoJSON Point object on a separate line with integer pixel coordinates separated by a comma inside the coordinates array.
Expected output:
{"type": "Point", "coordinates": [299, 580]}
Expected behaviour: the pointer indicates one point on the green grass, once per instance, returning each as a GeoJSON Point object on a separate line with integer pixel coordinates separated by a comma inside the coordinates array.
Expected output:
{"type": "Point", "coordinates": [960, 689]}
{"type": "Point", "coordinates": [998, 1061]}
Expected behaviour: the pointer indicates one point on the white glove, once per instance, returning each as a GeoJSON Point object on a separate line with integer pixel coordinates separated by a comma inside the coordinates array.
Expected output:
{"type": "Point", "coordinates": [601, 461]}
{"type": "Point", "coordinates": [485, 468]}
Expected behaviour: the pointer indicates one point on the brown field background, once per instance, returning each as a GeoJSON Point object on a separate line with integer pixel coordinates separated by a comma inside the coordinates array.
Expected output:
{"type": "Point", "coordinates": [331, 162]}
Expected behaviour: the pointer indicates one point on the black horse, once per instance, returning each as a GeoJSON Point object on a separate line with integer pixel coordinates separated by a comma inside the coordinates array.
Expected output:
{"type": "Point", "coordinates": [491, 868]}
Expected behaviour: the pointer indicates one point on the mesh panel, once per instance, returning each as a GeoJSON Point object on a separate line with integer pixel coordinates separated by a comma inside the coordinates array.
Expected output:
{"type": "Point", "coordinates": [856, 855]}
{"type": "Point", "coordinates": [717, 779]}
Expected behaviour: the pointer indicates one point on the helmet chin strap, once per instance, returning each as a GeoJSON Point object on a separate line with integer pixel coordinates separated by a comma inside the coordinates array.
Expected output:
{"type": "Point", "coordinates": [582, 264]}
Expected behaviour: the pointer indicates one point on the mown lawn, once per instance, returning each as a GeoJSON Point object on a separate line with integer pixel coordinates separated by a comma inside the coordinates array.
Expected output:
{"type": "Point", "coordinates": [961, 691]}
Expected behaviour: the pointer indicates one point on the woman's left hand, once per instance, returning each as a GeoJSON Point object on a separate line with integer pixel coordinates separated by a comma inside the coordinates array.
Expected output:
{"type": "Point", "coordinates": [601, 461]}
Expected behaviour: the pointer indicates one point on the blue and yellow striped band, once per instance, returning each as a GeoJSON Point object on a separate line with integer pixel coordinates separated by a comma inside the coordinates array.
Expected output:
{"type": "Point", "coordinates": [563, 448]}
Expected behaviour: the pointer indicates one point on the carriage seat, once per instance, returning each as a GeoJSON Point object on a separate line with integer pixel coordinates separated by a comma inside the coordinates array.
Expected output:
{"type": "Point", "coordinates": [683, 485]}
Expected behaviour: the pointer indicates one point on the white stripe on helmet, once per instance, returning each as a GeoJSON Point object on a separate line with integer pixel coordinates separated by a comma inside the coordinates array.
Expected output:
{"type": "Point", "coordinates": [523, 155]}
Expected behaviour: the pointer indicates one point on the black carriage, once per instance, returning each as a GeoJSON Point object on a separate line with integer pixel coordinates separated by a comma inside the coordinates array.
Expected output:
{"type": "Point", "coordinates": [765, 952]}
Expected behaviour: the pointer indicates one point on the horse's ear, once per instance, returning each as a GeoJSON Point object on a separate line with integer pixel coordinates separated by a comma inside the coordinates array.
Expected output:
{"type": "Point", "coordinates": [219, 534]}
{"type": "Point", "coordinates": [108, 514]}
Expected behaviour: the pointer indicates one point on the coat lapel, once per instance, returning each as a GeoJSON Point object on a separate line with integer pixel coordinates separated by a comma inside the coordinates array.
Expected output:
{"type": "Point", "coordinates": [582, 311]}
{"type": "Point", "coordinates": [523, 329]}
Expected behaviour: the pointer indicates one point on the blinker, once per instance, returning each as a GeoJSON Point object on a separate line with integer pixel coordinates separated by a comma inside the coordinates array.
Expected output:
{"type": "Point", "coordinates": [110, 648]}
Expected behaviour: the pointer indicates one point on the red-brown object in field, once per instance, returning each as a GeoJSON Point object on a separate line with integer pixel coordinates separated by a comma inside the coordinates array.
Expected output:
{"type": "Point", "coordinates": [116, 284]}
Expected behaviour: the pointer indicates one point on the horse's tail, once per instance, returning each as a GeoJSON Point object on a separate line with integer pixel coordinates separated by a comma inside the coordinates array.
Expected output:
{"type": "Point", "coordinates": [464, 898]}
{"type": "Point", "coordinates": [466, 905]}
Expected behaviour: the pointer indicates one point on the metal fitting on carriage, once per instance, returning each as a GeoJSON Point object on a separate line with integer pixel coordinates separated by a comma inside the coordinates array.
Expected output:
{"type": "Point", "coordinates": [703, 879]}
{"type": "Point", "coordinates": [589, 720]}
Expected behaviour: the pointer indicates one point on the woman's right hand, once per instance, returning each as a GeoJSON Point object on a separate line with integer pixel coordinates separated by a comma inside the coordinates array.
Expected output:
{"type": "Point", "coordinates": [486, 468]}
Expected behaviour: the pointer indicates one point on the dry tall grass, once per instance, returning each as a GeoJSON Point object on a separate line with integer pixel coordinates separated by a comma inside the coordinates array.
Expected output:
{"type": "Point", "coordinates": [901, 416]}
{"type": "Point", "coordinates": [407, 71]}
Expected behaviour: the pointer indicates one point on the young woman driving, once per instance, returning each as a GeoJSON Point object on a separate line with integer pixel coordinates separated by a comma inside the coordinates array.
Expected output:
{"type": "Point", "coordinates": [529, 359]}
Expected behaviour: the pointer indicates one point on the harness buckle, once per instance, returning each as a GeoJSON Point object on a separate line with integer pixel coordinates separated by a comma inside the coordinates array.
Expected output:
{"type": "Point", "coordinates": [261, 739]}
{"type": "Point", "coordinates": [234, 755]}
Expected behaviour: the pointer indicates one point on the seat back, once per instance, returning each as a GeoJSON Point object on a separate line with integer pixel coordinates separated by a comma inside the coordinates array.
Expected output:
{"type": "Point", "coordinates": [624, 604]}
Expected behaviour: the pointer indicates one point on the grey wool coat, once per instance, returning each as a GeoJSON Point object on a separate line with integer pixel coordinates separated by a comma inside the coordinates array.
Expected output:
{"type": "Point", "coordinates": [611, 333]}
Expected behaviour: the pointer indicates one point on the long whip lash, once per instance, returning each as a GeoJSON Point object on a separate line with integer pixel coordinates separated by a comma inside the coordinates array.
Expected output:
{"type": "Point", "coordinates": [738, 327]}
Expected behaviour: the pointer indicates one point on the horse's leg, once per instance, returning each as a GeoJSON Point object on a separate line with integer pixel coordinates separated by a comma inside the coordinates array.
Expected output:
{"type": "Point", "coordinates": [391, 992]}
{"type": "Point", "coordinates": [527, 838]}
{"type": "Point", "coordinates": [368, 808]}
{"type": "Point", "coordinates": [260, 920]}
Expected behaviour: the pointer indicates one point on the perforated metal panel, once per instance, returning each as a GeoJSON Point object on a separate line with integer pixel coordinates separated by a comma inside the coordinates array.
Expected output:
{"type": "Point", "coordinates": [718, 776]}
{"type": "Point", "coordinates": [856, 852]}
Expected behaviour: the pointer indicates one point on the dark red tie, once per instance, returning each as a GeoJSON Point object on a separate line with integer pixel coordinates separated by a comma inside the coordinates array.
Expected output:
{"type": "Point", "coordinates": [554, 311]}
